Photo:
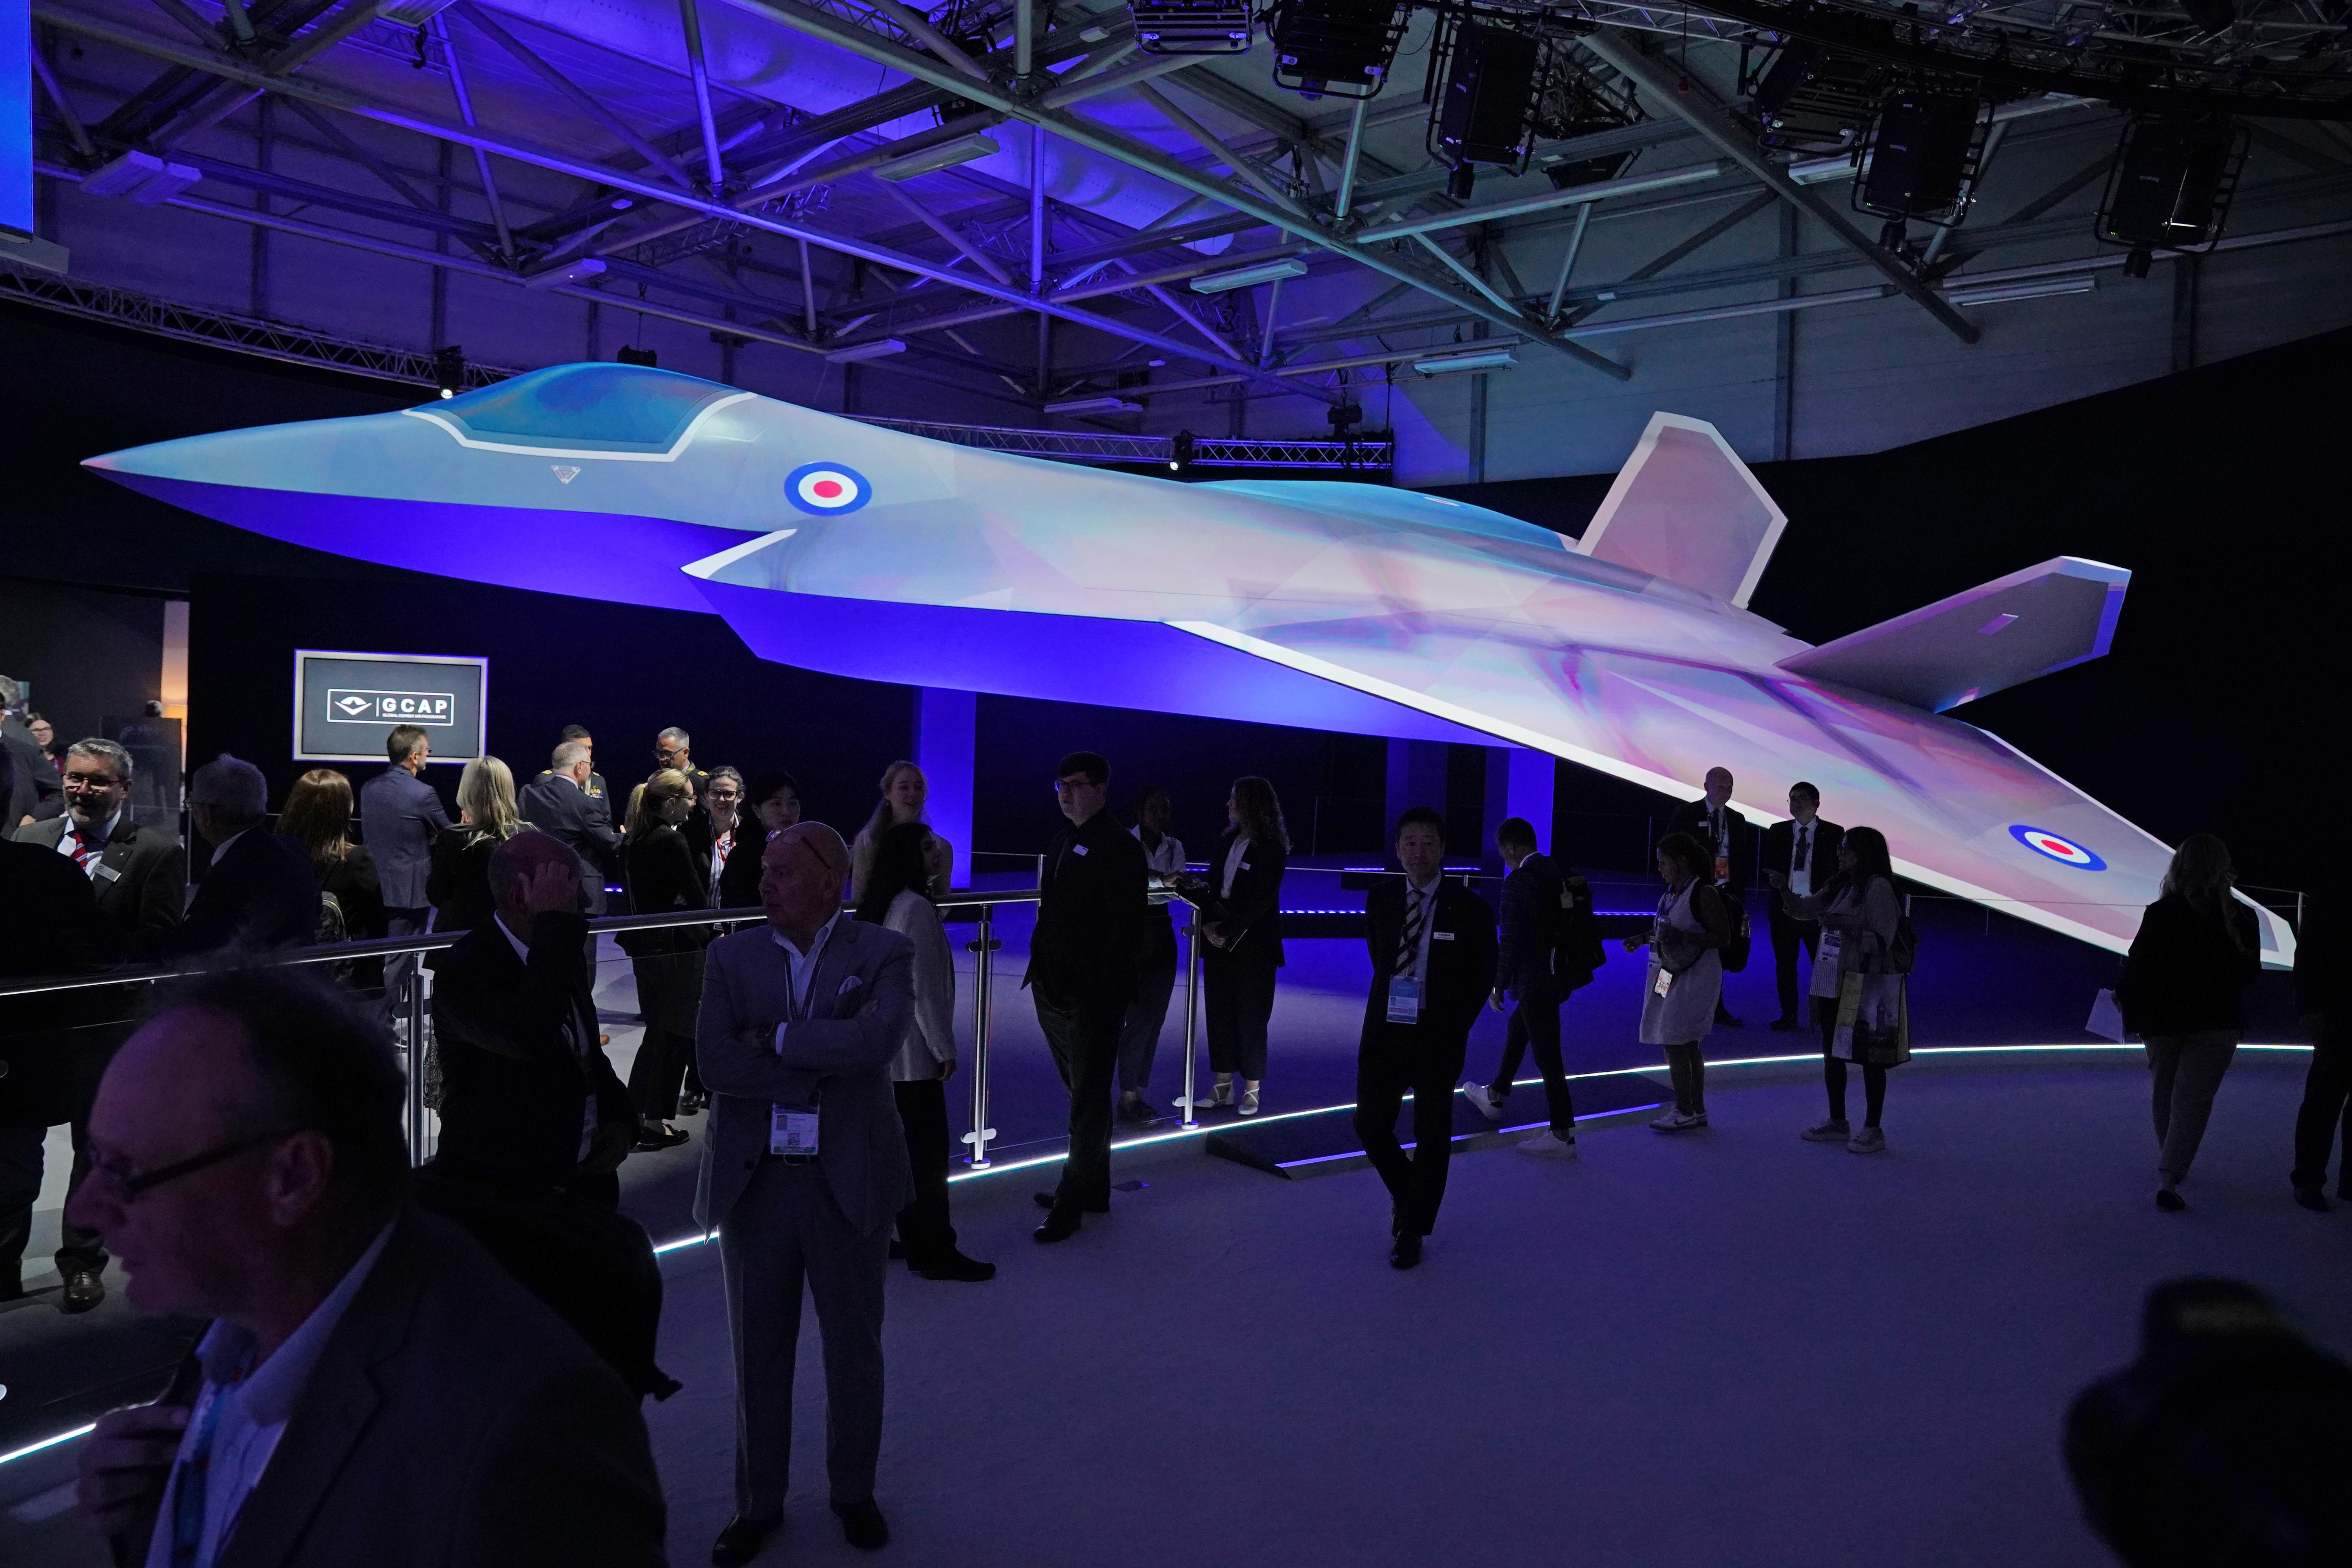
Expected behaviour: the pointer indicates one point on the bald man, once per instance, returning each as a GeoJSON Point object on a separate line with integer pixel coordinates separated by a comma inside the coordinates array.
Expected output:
{"type": "Point", "coordinates": [372, 1390]}
{"type": "Point", "coordinates": [803, 1167]}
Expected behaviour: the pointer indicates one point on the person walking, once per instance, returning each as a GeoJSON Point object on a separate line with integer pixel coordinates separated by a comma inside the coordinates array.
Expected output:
{"type": "Point", "coordinates": [2322, 1001]}
{"type": "Point", "coordinates": [458, 887]}
{"type": "Point", "coordinates": [1093, 897]}
{"type": "Point", "coordinates": [1433, 951]}
{"type": "Point", "coordinates": [1859, 956]}
{"type": "Point", "coordinates": [2183, 991]}
{"type": "Point", "coordinates": [1155, 982]}
{"type": "Point", "coordinates": [1799, 856]}
{"type": "Point", "coordinates": [897, 896]}
{"type": "Point", "coordinates": [904, 794]}
{"type": "Point", "coordinates": [1684, 986]}
{"type": "Point", "coordinates": [1242, 921]}
{"type": "Point", "coordinates": [664, 873]}
{"type": "Point", "coordinates": [1550, 948]}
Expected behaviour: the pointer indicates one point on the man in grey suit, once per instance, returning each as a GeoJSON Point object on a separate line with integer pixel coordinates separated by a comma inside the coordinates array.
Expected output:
{"type": "Point", "coordinates": [399, 815]}
{"type": "Point", "coordinates": [803, 1170]}
{"type": "Point", "coordinates": [373, 1390]}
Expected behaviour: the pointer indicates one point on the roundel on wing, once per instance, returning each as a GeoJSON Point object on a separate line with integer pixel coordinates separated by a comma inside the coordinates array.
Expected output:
{"type": "Point", "coordinates": [826, 489]}
{"type": "Point", "coordinates": [2065, 851]}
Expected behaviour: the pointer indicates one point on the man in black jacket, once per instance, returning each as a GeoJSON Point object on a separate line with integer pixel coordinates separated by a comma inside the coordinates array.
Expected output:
{"type": "Point", "coordinates": [1094, 898]}
{"type": "Point", "coordinates": [1803, 851]}
{"type": "Point", "coordinates": [1432, 949]}
{"type": "Point", "coordinates": [558, 803]}
{"type": "Point", "coordinates": [2323, 999]}
{"type": "Point", "coordinates": [1549, 946]}
{"type": "Point", "coordinates": [258, 891]}
{"type": "Point", "coordinates": [138, 873]}
{"type": "Point", "coordinates": [1711, 820]}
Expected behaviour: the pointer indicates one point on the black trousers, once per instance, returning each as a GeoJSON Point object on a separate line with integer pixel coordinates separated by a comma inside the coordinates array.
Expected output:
{"type": "Point", "coordinates": [2327, 1103]}
{"type": "Point", "coordinates": [923, 1228]}
{"type": "Point", "coordinates": [1789, 936]}
{"type": "Point", "coordinates": [1139, 1033]}
{"type": "Point", "coordinates": [1394, 1060]}
{"type": "Point", "coordinates": [657, 1072]}
{"type": "Point", "coordinates": [1239, 1002]}
{"type": "Point", "coordinates": [1083, 1039]}
{"type": "Point", "coordinates": [1535, 1022]}
{"type": "Point", "coordinates": [1874, 1078]}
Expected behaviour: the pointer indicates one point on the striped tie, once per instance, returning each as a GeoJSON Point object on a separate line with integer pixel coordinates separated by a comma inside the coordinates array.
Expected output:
{"type": "Point", "coordinates": [1409, 943]}
{"type": "Point", "coordinates": [83, 851]}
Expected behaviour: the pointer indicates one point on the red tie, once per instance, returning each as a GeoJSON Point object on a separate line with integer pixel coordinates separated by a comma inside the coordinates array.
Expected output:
{"type": "Point", "coordinates": [84, 852]}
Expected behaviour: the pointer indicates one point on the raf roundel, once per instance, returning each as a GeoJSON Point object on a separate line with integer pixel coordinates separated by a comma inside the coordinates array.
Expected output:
{"type": "Point", "coordinates": [826, 489]}
{"type": "Point", "coordinates": [2065, 851]}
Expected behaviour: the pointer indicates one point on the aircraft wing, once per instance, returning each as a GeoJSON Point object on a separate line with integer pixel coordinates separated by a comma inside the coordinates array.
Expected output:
{"type": "Point", "coordinates": [1964, 812]}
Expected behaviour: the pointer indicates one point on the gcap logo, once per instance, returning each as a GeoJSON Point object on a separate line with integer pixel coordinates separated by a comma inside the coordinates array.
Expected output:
{"type": "Point", "coordinates": [421, 707]}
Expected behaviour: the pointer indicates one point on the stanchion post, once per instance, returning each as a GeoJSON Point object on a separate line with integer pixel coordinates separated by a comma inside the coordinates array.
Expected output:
{"type": "Point", "coordinates": [1191, 990]}
{"type": "Point", "coordinates": [983, 947]}
{"type": "Point", "coordinates": [413, 989]}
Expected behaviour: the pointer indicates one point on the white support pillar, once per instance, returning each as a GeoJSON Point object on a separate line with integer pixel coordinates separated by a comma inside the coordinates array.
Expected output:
{"type": "Point", "coordinates": [946, 729]}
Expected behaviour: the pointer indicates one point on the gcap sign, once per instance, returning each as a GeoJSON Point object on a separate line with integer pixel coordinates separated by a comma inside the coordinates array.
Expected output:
{"type": "Point", "coordinates": [347, 704]}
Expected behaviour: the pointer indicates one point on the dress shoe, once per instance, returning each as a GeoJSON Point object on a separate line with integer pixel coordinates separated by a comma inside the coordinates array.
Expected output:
{"type": "Point", "coordinates": [1784, 1024]}
{"type": "Point", "coordinates": [1060, 1226]}
{"type": "Point", "coordinates": [956, 1266]}
{"type": "Point", "coordinates": [898, 1250]}
{"type": "Point", "coordinates": [742, 1540]}
{"type": "Point", "coordinates": [1727, 1020]}
{"type": "Point", "coordinates": [83, 1290]}
{"type": "Point", "coordinates": [2311, 1198]}
{"type": "Point", "coordinates": [1047, 1200]}
{"type": "Point", "coordinates": [862, 1525]}
{"type": "Point", "coordinates": [1137, 1112]}
{"type": "Point", "coordinates": [655, 1136]}
{"type": "Point", "coordinates": [1406, 1253]}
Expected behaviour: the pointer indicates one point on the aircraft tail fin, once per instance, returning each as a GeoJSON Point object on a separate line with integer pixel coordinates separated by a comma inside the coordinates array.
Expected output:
{"type": "Point", "coordinates": [1686, 508]}
{"type": "Point", "coordinates": [1974, 643]}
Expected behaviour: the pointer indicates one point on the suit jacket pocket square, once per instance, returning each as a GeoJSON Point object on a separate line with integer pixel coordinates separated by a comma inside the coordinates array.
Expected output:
{"type": "Point", "coordinates": [849, 986]}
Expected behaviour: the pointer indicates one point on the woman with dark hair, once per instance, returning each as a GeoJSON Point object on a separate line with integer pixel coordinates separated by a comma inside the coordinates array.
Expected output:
{"type": "Point", "coordinates": [2183, 991]}
{"type": "Point", "coordinates": [318, 813]}
{"type": "Point", "coordinates": [1139, 1034]}
{"type": "Point", "coordinates": [774, 798]}
{"type": "Point", "coordinates": [1694, 922]}
{"type": "Point", "coordinates": [1241, 916]}
{"type": "Point", "coordinates": [1859, 986]}
{"type": "Point", "coordinates": [662, 872]}
{"type": "Point", "coordinates": [905, 792]}
{"type": "Point", "coordinates": [896, 894]}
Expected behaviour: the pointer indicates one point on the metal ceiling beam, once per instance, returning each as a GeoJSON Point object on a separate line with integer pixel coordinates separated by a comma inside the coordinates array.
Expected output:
{"type": "Point", "coordinates": [1691, 101]}
{"type": "Point", "coordinates": [481, 158]}
{"type": "Point", "coordinates": [1599, 190]}
{"type": "Point", "coordinates": [1101, 139]}
{"type": "Point", "coordinates": [581, 168]}
{"type": "Point", "coordinates": [690, 17]}
{"type": "Point", "coordinates": [1680, 248]}
{"type": "Point", "coordinates": [578, 96]}
{"type": "Point", "coordinates": [917, 27]}
{"type": "Point", "coordinates": [938, 226]}
{"type": "Point", "coordinates": [1255, 177]}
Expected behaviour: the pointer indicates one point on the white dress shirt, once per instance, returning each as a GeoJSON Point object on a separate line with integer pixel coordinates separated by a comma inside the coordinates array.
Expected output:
{"type": "Point", "coordinates": [804, 968]}
{"type": "Point", "coordinates": [225, 843]}
{"type": "Point", "coordinates": [1166, 860]}
{"type": "Point", "coordinates": [1800, 857]}
{"type": "Point", "coordinates": [254, 1409]}
{"type": "Point", "coordinates": [1234, 864]}
{"type": "Point", "coordinates": [73, 840]}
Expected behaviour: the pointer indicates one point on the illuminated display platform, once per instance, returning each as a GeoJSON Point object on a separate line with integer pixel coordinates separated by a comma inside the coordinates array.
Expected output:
{"type": "Point", "coordinates": [863, 552]}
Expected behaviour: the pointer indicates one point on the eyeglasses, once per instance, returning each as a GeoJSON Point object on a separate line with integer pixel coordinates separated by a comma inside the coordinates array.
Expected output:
{"type": "Point", "coordinates": [126, 1187]}
{"type": "Point", "coordinates": [90, 781]}
{"type": "Point", "coordinates": [1065, 786]}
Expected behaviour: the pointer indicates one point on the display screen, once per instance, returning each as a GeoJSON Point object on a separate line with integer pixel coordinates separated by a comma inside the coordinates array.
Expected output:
{"type": "Point", "coordinates": [347, 704]}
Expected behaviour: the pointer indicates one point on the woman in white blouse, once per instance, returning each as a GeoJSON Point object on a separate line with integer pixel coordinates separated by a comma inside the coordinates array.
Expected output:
{"type": "Point", "coordinates": [1139, 1035]}
{"type": "Point", "coordinates": [895, 893]}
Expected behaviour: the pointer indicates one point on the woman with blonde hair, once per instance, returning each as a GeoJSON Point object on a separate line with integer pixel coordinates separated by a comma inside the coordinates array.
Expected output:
{"type": "Point", "coordinates": [458, 886]}
{"type": "Point", "coordinates": [664, 873]}
{"type": "Point", "coordinates": [905, 792]}
{"type": "Point", "coordinates": [318, 813]}
{"type": "Point", "coordinates": [2183, 991]}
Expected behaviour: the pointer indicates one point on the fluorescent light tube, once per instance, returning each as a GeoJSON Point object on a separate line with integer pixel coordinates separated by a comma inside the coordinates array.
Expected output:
{"type": "Point", "coordinates": [1094, 406]}
{"type": "Point", "coordinates": [2026, 289]}
{"type": "Point", "coordinates": [1484, 359]}
{"type": "Point", "coordinates": [880, 348]}
{"type": "Point", "coordinates": [932, 160]}
{"type": "Point", "coordinates": [1245, 277]}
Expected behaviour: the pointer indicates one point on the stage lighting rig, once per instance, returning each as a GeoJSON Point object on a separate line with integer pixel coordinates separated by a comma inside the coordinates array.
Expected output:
{"type": "Point", "coordinates": [2172, 185]}
{"type": "Point", "coordinates": [1344, 49]}
{"type": "Point", "coordinates": [1813, 100]}
{"type": "Point", "coordinates": [1920, 158]}
{"type": "Point", "coordinates": [450, 370]}
{"type": "Point", "coordinates": [1190, 26]}
{"type": "Point", "coordinates": [1575, 104]}
{"type": "Point", "coordinates": [1181, 448]}
{"type": "Point", "coordinates": [1486, 79]}
{"type": "Point", "coordinates": [649, 358]}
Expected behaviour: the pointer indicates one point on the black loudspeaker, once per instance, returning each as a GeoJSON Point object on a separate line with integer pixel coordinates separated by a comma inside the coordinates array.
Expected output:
{"type": "Point", "coordinates": [2172, 182]}
{"type": "Point", "coordinates": [627, 355]}
{"type": "Point", "coordinates": [1342, 47]}
{"type": "Point", "coordinates": [1922, 152]}
{"type": "Point", "coordinates": [1489, 92]}
{"type": "Point", "coordinates": [1191, 26]}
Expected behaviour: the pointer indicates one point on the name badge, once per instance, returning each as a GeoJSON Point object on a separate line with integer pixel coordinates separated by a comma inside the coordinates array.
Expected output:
{"type": "Point", "coordinates": [106, 873]}
{"type": "Point", "coordinates": [1404, 1000]}
{"type": "Point", "coordinates": [1723, 867]}
{"type": "Point", "coordinates": [792, 1134]}
{"type": "Point", "coordinates": [1441, 936]}
{"type": "Point", "coordinates": [1077, 848]}
{"type": "Point", "coordinates": [1665, 982]}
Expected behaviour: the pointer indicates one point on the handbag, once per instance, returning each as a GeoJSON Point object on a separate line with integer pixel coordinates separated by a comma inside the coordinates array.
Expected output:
{"type": "Point", "coordinates": [1873, 1024]}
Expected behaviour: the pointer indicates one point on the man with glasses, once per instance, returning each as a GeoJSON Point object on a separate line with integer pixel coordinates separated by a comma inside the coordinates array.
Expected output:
{"type": "Point", "coordinates": [673, 748]}
{"type": "Point", "coordinates": [438, 1410]}
{"type": "Point", "coordinates": [1093, 904]}
{"type": "Point", "coordinates": [139, 873]}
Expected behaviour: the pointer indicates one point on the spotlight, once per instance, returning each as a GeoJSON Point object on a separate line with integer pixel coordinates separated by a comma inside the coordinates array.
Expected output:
{"type": "Point", "coordinates": [2172, 185]}
{"type": "Point", "coordinates": [1573, 104]}
{"type": "Point", "coordinates": [1343, 48]}
{"type": "Point", "coordinates": [649, 358]}
{"type": "Point", "coordinates": [1920, 159]}
{"type": "Point", "coordinates": [450, 370]}
{"type": "Point", "coordinates": [1344, 417]}
{"type": "Point", "coordinates": [580, 271]}
{"type": "Point", "coordinates": [1190, 26]}
{"type": "Point", "coordinates": [1249, 277]}
{"type": "Point", "coordinates": [1181, 448]}
{"type": "Point", "coordinates": [1812, 99]}
{"type": "Point", "coordinates": [1485, 111]}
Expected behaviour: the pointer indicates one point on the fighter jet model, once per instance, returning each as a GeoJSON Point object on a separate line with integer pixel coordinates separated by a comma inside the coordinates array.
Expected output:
{"type": "Point", "coordinates": [865, 552]}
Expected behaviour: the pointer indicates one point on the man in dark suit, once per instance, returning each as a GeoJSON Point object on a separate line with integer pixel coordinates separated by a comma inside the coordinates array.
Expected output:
{"type": "Point", "coordinates": [557, 803]}
{"type": "Point", "coordinates": [1433, 950]}
{"type": "Point", "coordinates": [1548, 948]}
{"type": "Point", "coordinates": [1799, 855]}
{"type": "Point", "coordinates": [138, 873]}
{"type": "Point", "coordinates": [399, 815]}
{"type": "Point", "coordinates": [35, 783]}
{"type": "Point", "coordinates": [258, 891]}
{"type": "Point", "coordinates": [1713, 821]}
{"type": "Point", "coordinates": [1094, 900]}
{"type": "Point", "coordinates": [527, 1094]}
{"type": "Point", "coordinates": [673, 748]}
{"type": "Point", "coordinates": [51, 917]}
{"type": "Point", "coordinates": [803, 1167]}
{"type": "Point", "coordinates": [373, 1391]}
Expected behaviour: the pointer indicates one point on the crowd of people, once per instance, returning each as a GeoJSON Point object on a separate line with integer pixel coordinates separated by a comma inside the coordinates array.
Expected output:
{"type": "Point", "coordinates": [816, 1022]}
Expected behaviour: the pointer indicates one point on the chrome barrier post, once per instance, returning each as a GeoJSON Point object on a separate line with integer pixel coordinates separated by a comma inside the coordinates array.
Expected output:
{"type": "Point", "coordinates": [983, 946]}
{"type": "Point", "coordinates": [414, 999]}
{"type": "Point", "coordinates": [1191, 989]}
